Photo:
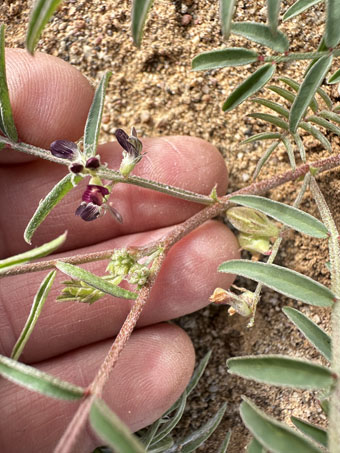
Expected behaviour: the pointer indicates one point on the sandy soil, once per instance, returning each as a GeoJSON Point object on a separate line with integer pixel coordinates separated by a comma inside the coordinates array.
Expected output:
{"type": "Point", "coordinates": [153, 89]}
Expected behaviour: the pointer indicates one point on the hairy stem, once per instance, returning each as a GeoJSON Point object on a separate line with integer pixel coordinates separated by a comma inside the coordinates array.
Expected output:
{"type": "Point", "coordinates": [257, 188]}
{"type": "Point", "coordinates": [301, 56]}
{"type": "Point", "coordinates": [334, 255]}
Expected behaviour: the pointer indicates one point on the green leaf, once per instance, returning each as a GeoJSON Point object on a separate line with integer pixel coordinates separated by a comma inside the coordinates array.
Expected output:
{"type": "Point", "coordinates": [40, 15]}
{"type": "Point", "coordinates": [316, 134]}
{"type": "Point", "coordinates": [262, 136]}
{"type": "Point", "coordinates": [7, 125]}
{"type": "Point", "coordinates": [38, 303]}
{"type": "Point", "coordinates": [326, 99]}
{"type": "Point", "coordinates": [94, 118]}
{"type": "Point", "coordinates": [250, 86]}
{"type": "Point", "coordinates": [288, 95]}
{"type": "Point", "coordinates": [334, 78]}
{"type": "Point", "coordinates": [330, 116]}
{"type": "Point", "coordinates": [227, 8]}
{"type": "Point", "coordinates": [163, 446]}
{"type": "Point", "coordinates": [296, 86]}
{"type": "Point", "coordinates": [324, 123]}
{"type": "Point", "coordinates": [282, 371]}
{"type": "Point", "coordinates": [261, 34]}
{"type": "Point", "coordinates": [221, 58]}
{"type": "Point", "coordinates": [273, 106]}
{"type": "Point", "coordinates": [285, 281]}
{"type": "Point", "coordinates": [298, 7]}
{"type": "Point", "coordinates": [332, 31]}
{"type": "Point", "coordinates": [272, 119]}
{"type": "Point", "coordinates": [93, 280]}
{"type": "Point", "coordinates": [140, 9]}
{"type": "Point", "coordinates": [38, 381]}
{"type": "Point", "coordinates": [290, 151]}
{"type": "Point", "coordinates": [264, 158]}
{"type": "Point", "coordinates": [194, 440]}
{"type": "Point", "coordinates": [318, 337]}
{"type": "Point", "coordinates": [198, 373]}
{"type": "Point", "coordinates": [48, 203]}
{"type": "Point", "coordinates": [299, 144]}
{"type": "Point", "coordinates": [307, 90]}
{"type": "Point", "coordinates": [112, 430]}
{"type": "Point", "coordinates": [273, 7]}
{"type": "Point", "coordinates": [314, 432]}
{"type": "Point", "coordinates": [224, 446]}
{"type": "Point", "coordinates": [254, 447]}
{"type": "Point", "coordinates": [33, 254]}
{"type": "Point", "coordinates": [169, 425]}
{"type": "Point", "coordinates": [293, 217]}
{"type": "Point", "coordinates": [272, 435]}
{"type": "Point", "coordinates": [321, 48]}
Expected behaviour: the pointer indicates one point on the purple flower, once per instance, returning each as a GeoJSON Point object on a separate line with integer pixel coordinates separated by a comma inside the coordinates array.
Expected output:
{"type": "Point", "coordinates": [64, 149]}
{"type": "Point", "coordinates": [88, 211]}
{"type": "Point", "coordinates": [132, 150]}
{"type": "Point", "coordinates": [95, 194]}
{"type": "Point", "coordinates": [92, 162]}
{"type": "Point", "coordinates": [76, 168]}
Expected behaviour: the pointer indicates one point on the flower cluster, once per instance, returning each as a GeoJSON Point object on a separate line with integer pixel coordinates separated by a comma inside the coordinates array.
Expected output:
{"type": "Point", "coordinates": [125, 264]}
{"type": "Point", "coordinates": [94, 199]}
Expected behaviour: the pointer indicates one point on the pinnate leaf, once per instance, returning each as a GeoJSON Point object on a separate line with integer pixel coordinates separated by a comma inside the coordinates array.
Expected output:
{"type": "Point", "coordinates": [221, 58]}
{"type": "Point", "coordinates": [250, 86]}
{"type": "Point", "coordinates": [33, 254]}
{"type": "Point", "coordinates": [282, 371]}
{"type": "Point", "coordinates": [314, 432]}
{"type": "Point", "coordinates": [324, 123]}
{"type": "Point", "coordinates": [140, 9]}
{"type": "Point", "coordinates": [7, 126]}
{"type": "Point", "coordinates": [261, 34]}
{"type": "Point", "coordinates": [38, 303]}
{"type": "Point", "coordinates": [318, 337]}
{"type": "Point", "coordinates": [307, 90]}
{"type": "Point", "coordinates": [293, 217]}
{"type": "Point", "coordinates": [41, 13]}
{"type": "Point", "coordinates": [92, 126]}
{"type": "Point", "coordinates": [59, 191]}
{"type": "Point", "coordinates": [227, 8]}
{"type": "Point", "coordinates": [112, 430]}
{"type": "Point", "coordinates": [271, 434]}
{"type": "Point", "coordinates": [93, 280]}
{"type": "Point", "coordinates": [285, 281]}
{"type": "Point", "coordinates": [38, 381]}
{"type": "Point", "coordinates": [332, 32]}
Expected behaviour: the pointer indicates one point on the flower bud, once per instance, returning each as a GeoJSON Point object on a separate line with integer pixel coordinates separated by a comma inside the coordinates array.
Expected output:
{"type": "Point", "coordinates": [121, 262]}
{"type": "Point", "coordinates": [251, 221]}
{"type": "Point", "coordinates": [76, 168]}
{"type": "Point", "coordinates": [64, 149]}
{"type": "Point", "coordinates": [138, 274]}
{"type": "Point", "coordinates": [92, 163]}
{"type": "Point", "coordinates": [88, 211]}
{"type": "Point", "coordinates": [254, 244]}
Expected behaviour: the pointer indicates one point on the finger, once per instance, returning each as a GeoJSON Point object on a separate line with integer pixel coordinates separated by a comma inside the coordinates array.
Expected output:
{"type": "Point", "coordinates": [187, 279]}
{"type": "Point", "coordinates": [187, 162]}
{"type": "Point", "coordinates": [49, 99]}
{"type": "Point", "coordinates": [151, 373]}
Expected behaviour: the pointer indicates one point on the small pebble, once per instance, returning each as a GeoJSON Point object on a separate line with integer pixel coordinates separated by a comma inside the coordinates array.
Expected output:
{"type": "Point", "coordinates": [186, 19]}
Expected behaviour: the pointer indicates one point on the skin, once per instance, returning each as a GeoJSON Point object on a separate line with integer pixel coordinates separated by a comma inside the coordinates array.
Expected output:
{"type": "Point", "coordinates": [50, 101]}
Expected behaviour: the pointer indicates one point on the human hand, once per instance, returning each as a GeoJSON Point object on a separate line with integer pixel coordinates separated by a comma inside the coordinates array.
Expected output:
{"type": "Point", "coordinates": [50, 101]}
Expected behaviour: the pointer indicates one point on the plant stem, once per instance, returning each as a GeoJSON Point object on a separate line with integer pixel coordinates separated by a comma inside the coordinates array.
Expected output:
{"type": "Point", "coordinates": [300, 56]}
{"type": "Point", "coordinates": [95, 389]}
{"type": "Point", "coordinates": [334, 254]}
{"type": "Point", "coordinates": [218, 207]}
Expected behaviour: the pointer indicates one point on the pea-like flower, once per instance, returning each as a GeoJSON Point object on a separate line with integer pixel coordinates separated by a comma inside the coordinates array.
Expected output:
{"type": "Point", "coordinates": [64, 149]}
{"type": "Point", "coordinates": [132, 150]}
{"type": "Point", "coordinates": [95, 204]}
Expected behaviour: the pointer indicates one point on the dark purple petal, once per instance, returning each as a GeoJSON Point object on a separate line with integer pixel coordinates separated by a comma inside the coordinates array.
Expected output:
{"type": "Point", "coordinates": [76, 168]}
{"type": "Point", "coordinates": [64, 149]}
{"type": "Point", "coordinates": [94, 194]}
{"type": "Point", "coordinates": [123, 139]}
{"type": "Point", "coordinates": [93, 162]}
{"type": "Point", "coordinates": [88, 212]}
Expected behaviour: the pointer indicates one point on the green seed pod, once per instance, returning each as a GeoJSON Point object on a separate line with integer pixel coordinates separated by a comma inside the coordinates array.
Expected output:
{"type": "Point", "coordinates": [251, 221]}
{"type": "Point", "coordinates": [254, 244]}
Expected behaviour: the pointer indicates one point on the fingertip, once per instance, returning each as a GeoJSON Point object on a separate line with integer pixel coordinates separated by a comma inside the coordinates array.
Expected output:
{"type": "Point", "coordinates": [50, 99]}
